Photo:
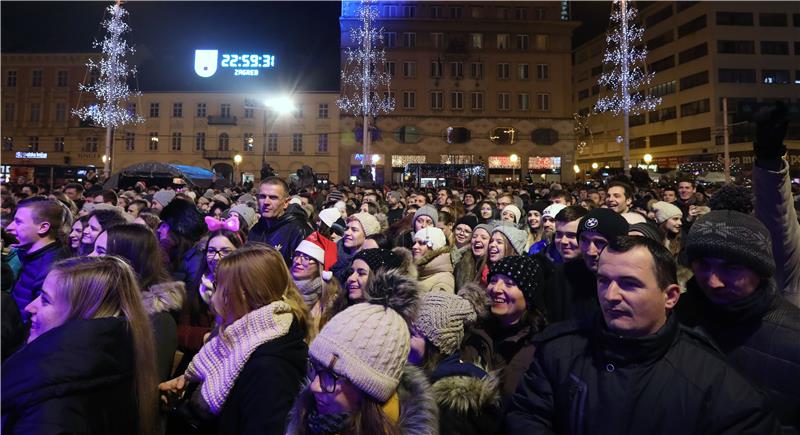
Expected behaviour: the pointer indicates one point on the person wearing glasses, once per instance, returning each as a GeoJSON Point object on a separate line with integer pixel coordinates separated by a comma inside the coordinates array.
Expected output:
{"type": "Point", "coordinates": [311, 272]}
{"type": "Point", "coordinates": [359, 381]}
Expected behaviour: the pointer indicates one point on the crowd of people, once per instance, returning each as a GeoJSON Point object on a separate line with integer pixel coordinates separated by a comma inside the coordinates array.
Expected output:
{"type": "Point", "coordinates": [609, 307]}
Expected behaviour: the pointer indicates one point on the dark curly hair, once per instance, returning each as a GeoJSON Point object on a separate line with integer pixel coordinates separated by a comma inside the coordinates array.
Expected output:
{"type": "Point", "coordinates": [732, 197]}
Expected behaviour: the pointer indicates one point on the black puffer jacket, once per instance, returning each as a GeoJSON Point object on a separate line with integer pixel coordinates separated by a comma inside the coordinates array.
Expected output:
{"type": "Point", "coordinates": [585, 379]}
{"type": "Point", "coordinates": [35, 266]}
{"type": "Point", "coordinates": [283, 233]}
{"type": "Point", "coordinates": [77, 378]}
{"type": "Point", "coordinates": [760, 336]}
{"type": "Point", "coordinates": [571, 293]}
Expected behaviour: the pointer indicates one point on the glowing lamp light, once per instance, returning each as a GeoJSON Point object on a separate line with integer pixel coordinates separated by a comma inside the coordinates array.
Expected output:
{"type": "Point", "coordinates": [105, 158]}
{"type": "Point", "coordinates": [647, 158]}
{"type": "Point", "coordinates": [514, 158]}
{"type": "Point", "coordinates": [577, 169]}
{"type": "Point", "coordinates": [282, 104]}
{"type": "Point", "coordinates": [237, 159]}
{"type": "Point", "coordinates": [375, 158]}
{"type": "Point", "coordinates": [595, 165]}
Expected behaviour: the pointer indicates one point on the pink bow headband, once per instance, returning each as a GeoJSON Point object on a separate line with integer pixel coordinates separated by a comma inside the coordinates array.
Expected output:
{"type": "Point", "coordinates": [230, 224]}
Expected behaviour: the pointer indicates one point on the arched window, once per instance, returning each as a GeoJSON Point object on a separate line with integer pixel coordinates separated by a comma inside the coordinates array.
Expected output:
{"type": "Point", "coordinates": [544, 136]}
{"type": "Point", "coordinates": [223, 142]}
{"type": "Point", "coordinates": [407, 134]}
{"type": "Point", "coordinates": [503, 135]}
{"type": "Point", "coordinates": [457, 135]}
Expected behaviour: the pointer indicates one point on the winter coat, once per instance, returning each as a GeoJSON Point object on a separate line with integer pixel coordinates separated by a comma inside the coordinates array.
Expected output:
{"type": "Point", "coordinates": [35, 266]}
{"type": "Point", "coordinates": [283, 233]}
{"type": "Point", "coordinates": [163, 303]}
{"type": "Point", "coordinates": [586, 379]}
{"type": "Point", "coordinates": [435, 271]}
{"type": "Point", "coordinates": [465, 269]}
{"type": "Point", "coordinates": [13, 330]}
{"type": "Point", "coordinates": [344, 260]}
{"type": "Point", "coordinates": [195, 319]}
{"type": "Point", "coordinates": [775, 209]}
{"type": "Point", "coordinates": [418, 412]}
{"type": "Point", "coordinates": [759, 337]}
{"type": "Point", "coordinates": [571, 293]}
{"type": "Point", "coordinates": [76, 378]}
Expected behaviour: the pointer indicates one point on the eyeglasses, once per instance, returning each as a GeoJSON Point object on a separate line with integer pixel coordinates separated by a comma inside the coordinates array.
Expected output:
{"type": "Point", "coordinates": [327, 378]}
{"type": "Point", "coordinates": [304, 259]}
{"type": "Point", "coordinates": [211, 252]}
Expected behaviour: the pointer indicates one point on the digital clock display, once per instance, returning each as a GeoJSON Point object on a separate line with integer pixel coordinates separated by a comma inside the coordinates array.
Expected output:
{"type": "Point", "coordinates": [206, 62]}
{"type": "Point", "coordinates": [244, 60]}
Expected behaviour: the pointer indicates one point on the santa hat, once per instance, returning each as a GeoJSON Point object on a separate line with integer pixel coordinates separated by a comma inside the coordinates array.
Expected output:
{"type": "Point", "coordinates": [321, 249]}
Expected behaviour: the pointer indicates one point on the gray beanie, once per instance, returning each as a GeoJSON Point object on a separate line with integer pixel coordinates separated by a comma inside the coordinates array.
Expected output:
{"type": "Point", "coordinates": [516, 236]}
{"type": "Point", "coordinates": [164, 197]}
{"type": "Point", "coordinates": [247, 213]}
{"type": "Point", "coordinates": [734, 236]}
{"type": "Point", "coordinates": [427, 210]}
{"type": "Point", "coordinates": [486, 227]}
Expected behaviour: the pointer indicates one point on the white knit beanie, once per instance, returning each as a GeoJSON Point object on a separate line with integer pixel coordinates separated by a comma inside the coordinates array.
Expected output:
{"type": "Point", "coordinates": [432, 236]}
{"type": "Point", "coordinates": [371, 346]}
{"type": "Point", "coordinates": [514, 210]}
{"type": "Point", "coordinates": [665, 211]}
{"type": "Point", "coordinates": [368, 222]}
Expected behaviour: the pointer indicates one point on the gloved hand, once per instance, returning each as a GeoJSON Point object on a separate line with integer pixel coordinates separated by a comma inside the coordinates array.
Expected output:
{"type": "Point", "coordinates": [771, 125]}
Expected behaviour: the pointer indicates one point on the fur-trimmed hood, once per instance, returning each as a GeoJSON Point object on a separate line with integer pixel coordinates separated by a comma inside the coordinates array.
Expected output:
{"type": "Point", "coordinates": [164, 297]}
{"type": "Point", "coordinates": [434, 261]}
{"type": "Point", "coordinates": [467, 394]}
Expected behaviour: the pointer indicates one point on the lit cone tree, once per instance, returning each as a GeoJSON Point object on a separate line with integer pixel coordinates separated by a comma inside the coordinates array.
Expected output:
{"type": "Point", "coordinates": [625, 75]}
{"type": "Point", "coordinates": [365, 81]}
{"type": "Point", "coordinates": [111, 89]}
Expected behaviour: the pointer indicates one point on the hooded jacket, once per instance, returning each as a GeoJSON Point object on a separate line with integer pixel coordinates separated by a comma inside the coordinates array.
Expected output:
{"type": "Point", "coordinates": [468, 398]}
{"type": "Point", "coordinates": [435, 271]}
{"type": "Point", "coordinates": [283, 233]}
{"type": "Point", "coordinates": [586, 379]}
{"type": "Point", "coordinates": [35, 266]}
{"type": "Point", "coordinates": [759, 337]}
{"type": "Point", "coordinates": [163, 303]}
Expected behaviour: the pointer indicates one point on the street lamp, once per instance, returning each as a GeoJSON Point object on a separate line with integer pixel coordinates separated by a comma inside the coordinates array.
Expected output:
{"type": "Point", "coordinates": [514, 159]}
{"type": "Point", "coordinates": [105, 158]}
{"type": "Point", "coordinates": [279, 105]}
{"type": "Point", "coordinates": [237, 159]}
{"type": "Point", "coordinates": [576, 169]}
{"type": "Point", "coordinates": [647, 159]}
{"type": "Point", "coordinates": [595, 165]}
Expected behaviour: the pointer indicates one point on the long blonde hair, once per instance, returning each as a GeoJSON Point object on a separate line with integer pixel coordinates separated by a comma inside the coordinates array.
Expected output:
{"type": "Point", "coordinates": [98, 287]}
{"type": "Point", "coordinates": [253, 277]}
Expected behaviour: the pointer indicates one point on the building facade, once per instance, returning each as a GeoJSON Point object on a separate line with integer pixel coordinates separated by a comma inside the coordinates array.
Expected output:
{"type": "Point", "coordinates": [473, 82]}
{"type": "Point", "coordinates": [702, 53]}
{"type": "Point", "coordinates": [44, 142]}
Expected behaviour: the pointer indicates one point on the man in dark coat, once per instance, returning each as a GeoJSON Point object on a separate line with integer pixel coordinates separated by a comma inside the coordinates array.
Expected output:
{"type": "Point", "coordinates": [634, 369]}
{"type": "Point", "coordinates": [282, 226]}
{"type": "Point", "coordinates": [734, 300]}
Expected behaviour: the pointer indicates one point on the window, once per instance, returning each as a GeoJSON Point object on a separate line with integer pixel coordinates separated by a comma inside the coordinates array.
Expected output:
{"type": "Point", "coordinates": [297, 143]}
{"type": "Point", "coordinates": [154, 110]}
{"type": "Point", "coordinates": [663, 64]}
{"type": "Point", "coordinates": [248, 142]}
{"type": "Point", "coordinates": [409, 70]}
{"type": "Point", "coordinates": [544, 136]}
{"type": "Point", "coordinates": [543, 102]}
{"type": "Point", "coordinates": [201, 110]}
{"type": "Point", "coordinates": [8, 112]}
{"type": "Point", "coordinates": [730, 75]}
{"type": "Point", "coordinates": [33, 143]}
{"type": "Point", "coordinates": [223, 142]}
{"type": "Point", "coordinates": [130, 141]}
{"type": "Point", "coordinates": [540, 14]}
{"type": "Point", "coordinates": [694, 80]}
{"type": "Point", "coordinates": [583, 94]}
{"type": "Point", "coordinates": [62, 79]}
{"type": "Point", "coordinates": [522, 71]}
{"type": "Point", "coordinates": [696, 135]}
{"type": "Point", "coordinates": [524, 102]}
{"type": "Point", "coordinates": [390, 11]}
{"type": "Point", "coordinates": [177, 110]}
{"type": "Point", "coordinates": [248, 113]}
{"type": "Point", "coordinates": [132, 109]}
{"type": "Point", "coordinates": [457, 100]}
{"type": "Point", "coordinates": [658, 17]}
{"type": "Point", "coordinates": [91, 145]}
{"type": "Point", "coordinates": [477, 12]}
{"type": "Point", "coordinates": [638, 142]}
{"type": "Point", "coordinates": [390, 69]}
{"type": "Point", "coordinates": [457, 135]}
{"type": "Point", "coordinates": [502, 71]}
{"type": "Point", "coordinates": [272, 143]}
{"type": "Point", "coordinates": [322, 111]}
{"type": "Point", "coordinates": [775, 47]}
{"type": "Point", "coordinates": [772, 20]}
{"type": "Point", "coordinates": [36, 78]}
{"type": "Point", "coordinates": [596, 71]}
{"type": "Point", "coordinates": [36, 112]}
{"type": "Point", "coordinates": [153, 144]}
{"type": "Point", "coordinates": [477, 101]}
{"type": "Point", "coordinates": [503, 13]}
{"type": "Point", "coordinates": [409, 99]}
{"type": "Point", "coordinates": [683, 5]}
{"type": "Point", "coordinates": [660, 40]}
{"type": "Point", "coordinates": [390, 39]}
{"type": "Point", "coordinates": [176, 141]}
{"type": "Point", "coordinates": [409, 40]}
{"type": "Point", "coordinates": [595, 89]}
{"type": "Point", "coordinates": [503, 41]}
{"type": "Point", "coordinates": [476, 70]}
{"type": "Point", "coordinates": [542, 42]}
{"type": "Point", "coordinates": [457, 69]}
{"type": "Point", "coordinates": [225, 110]}
{"type": "Point", "coordinates": [734, 19]}
{"type": "Point", "coordinates": [409, 11]}
{"type": "Point", "coordinates": [663, 114]}
{"type": "Point", "coordinates": [436, 12]}
{"type": "Point", "coordinates": [61, 112]}
{"type": "Point", "coordinates": [543, 71]}
{"type": "Point", "coordinates": [666, 139]}
{"type": "Point", "coordinates": [523, 42]}
{"type": "Point", "coordinates": [456, 12]}
{"type": "Point", "coordinates": [635, 120]}
{"type": "Point", "coordinates": [200, 142]}
{"type": "Point", "coordinates": [736, 47]}
{"type": "Point", "coordinates": [436, 69]}
{"type": "Point", "coordinates": [11, 79]}
{"type": "Point", "coordinates": [407, 134]}
{"type": "Point", "coordinates": [58, 144]}
{"type": "Point", "coordinates": [322, 143]}
{"type": "Point", "coordinates": [692, 26]}
{"type": "Point", "coordinates": [796, 19]}
{"type": "Point", "coordinates": [693, 53]}
{"type": "Point", "coordinates": [437, 39]}
{"type": "Point", "coordinates": [298, 112]}
{"type": "Point", "coordinates": [437, 100]}
{"type": "Point", "coordinates": [521, 13]}
{"type": "Point", "coordinates": [775, 77]}
{"type": "Point", "coordinates": [8, 143]}
{"type": "Point", "coordinates": [476, 40]}
{"type": "Point", "coordinates": [694, 108]}
{"type": "Point", "coordinates": [662, 89]}
{"type": "Point", "coordinates": [503, 101]}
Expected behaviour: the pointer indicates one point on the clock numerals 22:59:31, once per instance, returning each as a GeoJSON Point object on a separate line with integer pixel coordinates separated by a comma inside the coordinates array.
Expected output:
{"type": "Point", "coordinates": [247, 61]}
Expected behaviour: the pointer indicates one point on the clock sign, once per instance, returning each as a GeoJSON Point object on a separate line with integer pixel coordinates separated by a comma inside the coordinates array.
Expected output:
{"type": "Point", "coordinates": [247, 64]}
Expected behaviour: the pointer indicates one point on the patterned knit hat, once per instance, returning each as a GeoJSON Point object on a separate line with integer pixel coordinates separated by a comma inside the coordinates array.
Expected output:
{"type": "Point", "coordinates": [516, 236]}
{"type": "Point", "coordinates": [552, 210]}
{"type": "Point", "coordinates": [379, 257]}
{"type": "Point", "coordinates": [665, 211]}
{"type": "Point", "coordinates": [734, 236]}
{"type": "Point", "coordinates": [322, 249]}
{"type": "Point", "coordinates": [443, 316]}
{"type": "Point", "coordinates": [427, 210]}
{"type": "Point", "coordinates": [525, 271]}
{"type": "Point", "coordinates": [335, 195]}
{"type": "Point", "coordinates": [368, 222]}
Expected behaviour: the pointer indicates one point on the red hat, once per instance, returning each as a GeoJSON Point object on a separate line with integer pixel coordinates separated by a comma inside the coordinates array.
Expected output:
{"type": "Point", "coordinates": [322, 249]}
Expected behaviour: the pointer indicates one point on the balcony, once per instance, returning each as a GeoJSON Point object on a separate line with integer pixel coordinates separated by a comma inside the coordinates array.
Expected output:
{"type": "Point", "coordinates": [218, 154]}
{"type": "Point", "coordinates": [221, 120]}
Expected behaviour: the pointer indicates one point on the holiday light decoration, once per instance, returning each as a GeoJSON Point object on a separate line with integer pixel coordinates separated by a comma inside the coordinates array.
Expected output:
{"type": "Point", "coordinates": [365, 81]}
{"type": "Point", "coordinates": [111, 88]}
{"type": "Point", "coordinates": [625, 75]}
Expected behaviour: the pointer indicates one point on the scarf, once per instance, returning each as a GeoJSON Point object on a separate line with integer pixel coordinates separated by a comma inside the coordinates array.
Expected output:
{"type": "Point", "coordinates": [310, 290]}
{"type": "Point", "coordinates": [320, 424]}
{"type": "Point", "coordinates": [222, 358]}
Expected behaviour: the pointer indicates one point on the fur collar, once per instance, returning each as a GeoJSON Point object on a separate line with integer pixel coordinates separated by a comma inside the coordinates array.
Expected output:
{"type": "Point", "coordinates": [434, 261]}
{"type": "Point", "coordinates": [164, 297]}
{"type": "Point", "coordinates": [467, 394]}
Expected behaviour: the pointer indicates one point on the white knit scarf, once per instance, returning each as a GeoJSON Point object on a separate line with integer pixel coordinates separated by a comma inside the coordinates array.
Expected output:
{"type": "Point", "coordinates": [220, 360]}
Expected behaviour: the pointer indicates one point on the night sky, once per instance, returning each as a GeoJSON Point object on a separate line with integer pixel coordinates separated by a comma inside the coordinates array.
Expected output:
{"type": "Point", "coordinates": [304, 37]}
